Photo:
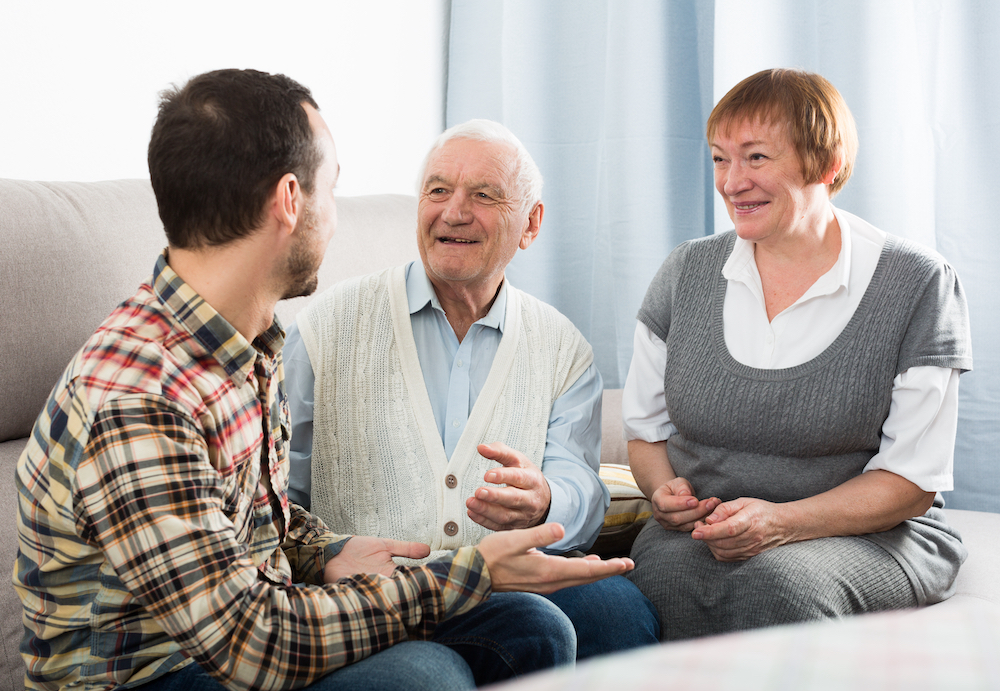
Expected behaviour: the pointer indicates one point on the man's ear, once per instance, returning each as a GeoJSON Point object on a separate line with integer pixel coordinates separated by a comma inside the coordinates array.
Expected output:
{"type": "Point", "coordinates": [287, 202]}
{"type": "Point", "coordinates": [532, 227]}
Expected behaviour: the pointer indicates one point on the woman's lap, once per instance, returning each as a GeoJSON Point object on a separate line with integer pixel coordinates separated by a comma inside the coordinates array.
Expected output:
{"type": "Point", "coordinates": [696, 595]}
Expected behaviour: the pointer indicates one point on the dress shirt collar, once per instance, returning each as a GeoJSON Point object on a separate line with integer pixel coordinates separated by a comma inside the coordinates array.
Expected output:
{"type": "Point", "coordinates": [219, 338]}
{"type": "Point", "coordinates": [420, 293]}
{"type": "Point", "coordinates": [740, 265]}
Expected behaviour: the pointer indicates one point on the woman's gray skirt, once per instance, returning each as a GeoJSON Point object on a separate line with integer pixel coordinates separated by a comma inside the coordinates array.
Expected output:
{"type": "Point", "coordinates": [827, 578]}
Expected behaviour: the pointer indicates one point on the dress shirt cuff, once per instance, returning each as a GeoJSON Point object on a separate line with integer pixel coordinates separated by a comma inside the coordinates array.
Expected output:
{"type": "Point", "coordinates": [579, 506]}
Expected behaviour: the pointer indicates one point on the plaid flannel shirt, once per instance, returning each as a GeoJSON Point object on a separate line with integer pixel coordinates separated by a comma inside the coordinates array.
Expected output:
{"type": "Point", "coordinates": [155, 527]}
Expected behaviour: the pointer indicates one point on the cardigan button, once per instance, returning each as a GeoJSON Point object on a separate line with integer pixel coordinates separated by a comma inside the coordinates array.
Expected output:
{"type": "Point", "coordinates": [451, 481]}
{"type": "Point", "coordinates": [451, 528]}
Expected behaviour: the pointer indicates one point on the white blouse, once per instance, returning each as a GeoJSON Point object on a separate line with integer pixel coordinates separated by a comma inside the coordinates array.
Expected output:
{"type": "Point", "coordinates": [918, 436]}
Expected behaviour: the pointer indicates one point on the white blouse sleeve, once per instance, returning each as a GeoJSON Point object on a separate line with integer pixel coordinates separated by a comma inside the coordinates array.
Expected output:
{"type": "Point", "coordinates": [644, 404]}
{"type": "Point", "coordinates": [918, 436]}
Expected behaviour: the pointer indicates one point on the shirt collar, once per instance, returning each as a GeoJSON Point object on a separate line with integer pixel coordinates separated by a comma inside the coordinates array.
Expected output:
{"type": "Point", "coordinates": [227, 345]}
{"type": "Point", "coordinates": [420, 293]}
{"type": "Point", "coordinates": [741, 267]}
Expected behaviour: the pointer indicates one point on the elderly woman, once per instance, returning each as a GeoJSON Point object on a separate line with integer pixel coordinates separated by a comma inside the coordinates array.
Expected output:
{"type": "Point", "coordinates": [792, 402]}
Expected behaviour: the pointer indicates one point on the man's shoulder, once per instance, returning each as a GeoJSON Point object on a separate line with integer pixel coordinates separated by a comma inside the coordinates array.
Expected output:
{"type": "Point", "coordinates": [555, 328]}
{"type": "Point", "coordinates": [138, 349]}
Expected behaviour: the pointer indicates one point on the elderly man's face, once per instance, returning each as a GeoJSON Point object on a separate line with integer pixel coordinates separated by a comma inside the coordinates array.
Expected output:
{"type": "Point", "coordinates": [469, 221]}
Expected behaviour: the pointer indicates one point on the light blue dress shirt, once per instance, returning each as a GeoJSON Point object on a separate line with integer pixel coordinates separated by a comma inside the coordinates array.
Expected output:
{"type": "Point", "coordinates": [454, 374]}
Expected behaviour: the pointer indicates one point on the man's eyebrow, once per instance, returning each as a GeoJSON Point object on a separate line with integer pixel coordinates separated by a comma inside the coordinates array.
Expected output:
{"type": "Point", "coordinates": [492, 189]}
{"type": "Point", "coordinates": [433, 178]}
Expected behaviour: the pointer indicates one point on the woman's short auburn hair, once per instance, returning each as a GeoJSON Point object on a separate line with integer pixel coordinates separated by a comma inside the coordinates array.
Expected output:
{"type": "Point", "coordinates": [819, 122]}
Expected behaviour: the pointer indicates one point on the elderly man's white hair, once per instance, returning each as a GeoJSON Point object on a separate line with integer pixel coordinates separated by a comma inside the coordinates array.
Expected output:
{"type": "Point", "coordinates": [527, 177]}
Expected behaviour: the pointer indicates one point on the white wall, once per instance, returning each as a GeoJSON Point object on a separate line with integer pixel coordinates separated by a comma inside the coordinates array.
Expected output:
{"type": "Point", "coordinates": [79, 80]}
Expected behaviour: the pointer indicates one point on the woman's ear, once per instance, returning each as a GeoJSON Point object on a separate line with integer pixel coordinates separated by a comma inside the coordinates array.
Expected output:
{"type": "Point", "coordinates": [834, 170]}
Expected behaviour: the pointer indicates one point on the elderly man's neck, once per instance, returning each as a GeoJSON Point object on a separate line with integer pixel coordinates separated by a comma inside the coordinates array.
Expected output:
{"type": "Point", "coordinates": [465, 304]}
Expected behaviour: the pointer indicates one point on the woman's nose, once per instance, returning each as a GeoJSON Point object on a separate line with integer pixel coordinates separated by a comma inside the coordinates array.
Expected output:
{"type": "Point", "coordinates": [736, 180]}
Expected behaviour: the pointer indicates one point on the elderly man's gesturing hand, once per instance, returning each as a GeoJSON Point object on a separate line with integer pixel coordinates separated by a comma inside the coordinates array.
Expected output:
{"type": "Point", "coordinates": [515, 563]}
{"type": "Point", "coordinates": [524, 502]}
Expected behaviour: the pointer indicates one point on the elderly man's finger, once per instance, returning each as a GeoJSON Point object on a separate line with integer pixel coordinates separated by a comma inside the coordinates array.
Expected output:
{"type": "Point", "coordinates": [514, 477]}
{"type": "Point", "coordinates": [504, 455]}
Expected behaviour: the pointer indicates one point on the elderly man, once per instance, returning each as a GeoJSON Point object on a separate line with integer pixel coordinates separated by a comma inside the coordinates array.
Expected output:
{"type": "Point", "coordinates": [158, 549]}
{"type": "Point", "coordinates": [435, 402]}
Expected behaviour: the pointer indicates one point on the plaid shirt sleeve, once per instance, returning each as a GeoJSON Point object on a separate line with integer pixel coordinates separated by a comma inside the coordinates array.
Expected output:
{"type": "Point", "coordinates": [150, 498]}
{"type": "Point", "coordinates": [309, 545]}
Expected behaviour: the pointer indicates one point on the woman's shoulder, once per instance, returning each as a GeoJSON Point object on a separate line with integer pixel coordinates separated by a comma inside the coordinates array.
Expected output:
{"type": "Point", "coordinates": [698, 249]}
{"type": "Point", "coordinates": [913, 262]}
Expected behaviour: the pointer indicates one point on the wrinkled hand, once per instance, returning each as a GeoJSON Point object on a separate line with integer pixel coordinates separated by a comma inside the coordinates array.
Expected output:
{"type": "Point", "coordinates": [742, 528]}
{"type": "Point", "coordinates": [515, 563]}
{"type": "Point", "coordinates": [363, 554]}
{"type": "Point", "coordinates": [676, 508]}
{"type": "Point", "coordinates": [524, 502]}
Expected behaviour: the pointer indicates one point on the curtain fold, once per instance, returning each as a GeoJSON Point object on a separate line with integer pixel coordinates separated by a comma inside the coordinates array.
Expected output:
{"type": "Point", "coordinates": [611, 98]}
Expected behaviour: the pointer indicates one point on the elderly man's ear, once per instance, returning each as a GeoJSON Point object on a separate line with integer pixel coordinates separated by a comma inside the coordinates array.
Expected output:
{"type": "Point", "coordinates": [532, 226]}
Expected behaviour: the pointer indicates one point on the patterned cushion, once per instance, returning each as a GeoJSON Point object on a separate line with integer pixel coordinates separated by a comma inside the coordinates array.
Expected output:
{"type": "Point", "coordinates": [627, 514]}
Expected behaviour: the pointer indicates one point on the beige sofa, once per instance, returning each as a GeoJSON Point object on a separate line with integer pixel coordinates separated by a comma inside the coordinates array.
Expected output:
{"type": "Point", "coordinates": [72, 251]}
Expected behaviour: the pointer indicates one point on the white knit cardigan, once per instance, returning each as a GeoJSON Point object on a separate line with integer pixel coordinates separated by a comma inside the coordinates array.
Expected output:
{"type": "Point", "coordinates": [378, 462]}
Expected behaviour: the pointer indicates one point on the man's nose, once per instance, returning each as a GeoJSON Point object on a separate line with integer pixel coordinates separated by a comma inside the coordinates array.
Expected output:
{"type": "Point", "coordinates": [456, 209]}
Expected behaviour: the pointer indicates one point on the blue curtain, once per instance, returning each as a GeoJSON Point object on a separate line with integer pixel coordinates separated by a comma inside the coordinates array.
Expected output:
{"type": "Point", "coordinates": [611, 98]}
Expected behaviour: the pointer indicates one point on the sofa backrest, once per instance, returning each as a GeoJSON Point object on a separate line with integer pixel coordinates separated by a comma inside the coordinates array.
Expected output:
{"type": "Point", "coordinates": [73, 251]}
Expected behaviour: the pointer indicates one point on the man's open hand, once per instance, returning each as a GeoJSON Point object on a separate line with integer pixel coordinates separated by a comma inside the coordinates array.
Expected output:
{"type": "Point", "coordinates": [516, 564]}
{"type": "Point", "coordinates": [371, 555]}
{"type": "Point", "coordinates": [524, 502]}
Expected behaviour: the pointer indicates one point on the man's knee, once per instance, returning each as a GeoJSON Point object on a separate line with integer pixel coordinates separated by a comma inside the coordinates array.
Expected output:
{"type": "Point", "coordinates": [609, 615]}
{"type": "Point", "coordinates": [419, 665]}
{"type": "Point", "coordinates": [511, 633]}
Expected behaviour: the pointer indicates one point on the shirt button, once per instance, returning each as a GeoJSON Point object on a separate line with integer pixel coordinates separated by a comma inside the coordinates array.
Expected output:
{"type": "Point", "coordinates": [459, 363]}
{"type": "Point", "coordinates": [451, 528]}
{"type": "Point", "coordinates": [451, 481]}
{"type": "Point", "coordinates": [456, 423]}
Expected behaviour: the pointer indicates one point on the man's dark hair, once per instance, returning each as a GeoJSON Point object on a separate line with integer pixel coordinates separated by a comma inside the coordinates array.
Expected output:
{"type": "Point", "coordinates": [219, 146]}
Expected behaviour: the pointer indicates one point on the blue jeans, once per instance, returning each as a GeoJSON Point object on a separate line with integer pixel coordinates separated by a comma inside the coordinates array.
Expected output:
{"type": "Point", "coordinates": [415, 665]}
{"type": "Point", "coordinates": [508, 635]}
{"type": "Point", "coordinates": [608, 616]}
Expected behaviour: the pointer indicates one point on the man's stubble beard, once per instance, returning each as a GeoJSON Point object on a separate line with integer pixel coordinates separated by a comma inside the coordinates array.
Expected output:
{"type": "Point", "coordinates": [302, 268]}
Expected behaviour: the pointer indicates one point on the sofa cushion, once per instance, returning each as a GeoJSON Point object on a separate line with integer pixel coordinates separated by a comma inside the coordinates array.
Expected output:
{"type": "Point", "coordinates": [628, 512]}
{"type": "Point", "coordinates": [83, 247]}
{"type": "Point", "coordinates": [80, 249]}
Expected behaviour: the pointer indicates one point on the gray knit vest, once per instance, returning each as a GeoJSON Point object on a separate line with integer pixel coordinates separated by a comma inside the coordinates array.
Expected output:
{"type": "Point", "coordinates": [787, 434]}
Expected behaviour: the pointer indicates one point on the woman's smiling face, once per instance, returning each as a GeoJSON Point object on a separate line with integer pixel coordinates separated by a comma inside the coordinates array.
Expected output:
{"type": "Point", "coordinates": [759, 175]}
